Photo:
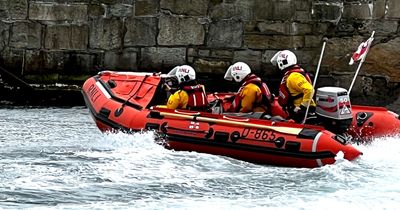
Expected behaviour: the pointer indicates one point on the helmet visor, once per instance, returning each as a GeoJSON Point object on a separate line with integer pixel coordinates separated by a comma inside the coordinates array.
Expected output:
{"type": "Point", "coordinates": [274, 58]}
{"type": "Point", "coordinates": [228, 74]}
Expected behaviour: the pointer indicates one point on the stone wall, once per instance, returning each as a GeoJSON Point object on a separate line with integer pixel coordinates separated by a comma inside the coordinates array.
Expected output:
{"type": "Point", "coordinates": [58, 39]}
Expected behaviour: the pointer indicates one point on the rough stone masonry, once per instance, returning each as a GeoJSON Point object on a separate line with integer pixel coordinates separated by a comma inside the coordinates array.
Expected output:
{"type": "Point", "coordinates": [59, 39]}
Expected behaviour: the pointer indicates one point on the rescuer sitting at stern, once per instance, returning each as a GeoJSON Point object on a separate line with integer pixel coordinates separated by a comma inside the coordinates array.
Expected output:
{"type": "Point", "coordinates": [295, 90]}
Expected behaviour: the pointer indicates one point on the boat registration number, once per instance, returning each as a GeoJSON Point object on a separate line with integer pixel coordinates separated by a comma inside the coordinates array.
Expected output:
{"type": "Point", "coordinates": [258, 134]}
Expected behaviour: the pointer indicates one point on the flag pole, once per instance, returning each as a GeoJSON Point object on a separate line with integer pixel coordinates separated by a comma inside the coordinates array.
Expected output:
{"type": "Point", "coordinates": [359, 65]}
{"type": "Point", "coordinates": [354, 78]}
{"type": "Point", "coordinates": [315, 78]}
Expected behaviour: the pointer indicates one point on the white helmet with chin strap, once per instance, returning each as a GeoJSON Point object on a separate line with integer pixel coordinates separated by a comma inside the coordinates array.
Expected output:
{"type": "Point", "coordinates": [284, 59]}
{"type": "Point", "coordinates": [238, 71]}
{"type": "Point", "coordinates": [183, 73]}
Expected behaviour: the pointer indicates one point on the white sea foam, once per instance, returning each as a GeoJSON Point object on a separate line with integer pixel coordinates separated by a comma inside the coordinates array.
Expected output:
{"type": "Point", "coordinates": [69, 164]}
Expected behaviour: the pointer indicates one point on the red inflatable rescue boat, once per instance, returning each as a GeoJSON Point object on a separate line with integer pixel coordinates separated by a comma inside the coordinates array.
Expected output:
{"type": "Point", "coordinates": [127, 101]}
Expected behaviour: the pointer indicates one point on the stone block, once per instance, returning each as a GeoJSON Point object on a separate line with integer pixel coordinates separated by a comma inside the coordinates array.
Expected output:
{"type": "Point", "coordinates": [324, 28]}
{"type": "Point", "coordinates": [283, 10]}
{"type": "Point", "coordinates": [213, 66]}
{"type": "Point", "coordinates": [382, 27]}
{"type": "Point", "coordinates": [379, 9]}
{"type": "Point", "coordinates": [96, 10]}
{"type": "Point", "coordinates": [308, 57]}
{"type": "Point", "coordinates": [26, 34]}
{"type": "Point", "coordinates": [41, 61]}
{"type": "Point", "coordinates": [281, 28]}
{"type": "Point", "coordinates": [241, 10]}
{"type": "Point", "coordinates": [363, 11]}
{"type": "Point", "coordinates": [76, 63]}
{"type": "Point", "coordinates": [192, 52]}
{"type": "Point", "coordinates": [121, 10]}
{"type": "Point", "coordinates": [58, 12]}
{"type": "Point", "coordinates": [297, 42]}
{"type": "Point", "coordinates": [393, 9]}
{"type": "Point", "coordinates": [327, 11]}
{"type": "Point", "coordinates": [105, 34]}
{"type": "Point", "coordinates": [251, 57]}
{"type": "Point", "coordinates": [267, 55]}
{"type": "Point", "coordinates": [345, 27]}
{"type": "Point", "coordinates": [4, 9]}
{"type": "Point", "coordinates": [140, 31]}
{"type": "Point", "coordinates": [15, 10]}
{"type": "Point", "coordinates": [271, 27]}
{"type": "Point", "coordinates": [18, 9]}
{"type": "Point", "coordinates": [12, 60]}
{"type": "Point", "coordinates": [262, 10]}
{"type": "Point", "coordinates": [123, 61]}
{"type": "Point", "coordinates": [273, 10]}
{"type": "Point", "coordinates": [66, 37]}
{"type": "Point", "coordinates": [186, 7]}
{"type": "Point", "coordinates": [162, 57]}
{"type": "Point", "coordinates": [4, 35]}
{"type": "Point", "coordinates": [303, 5]}
{"type": "Point", "coordinates": [384, 58]}
{"type": "Point", "coordinates": [180, 31]}
{"type": "Point", "coordinates": [225, 54]}
{"type": "Point", "coordinates": [304, 16]}
{"type": "Point", "coordinates": [204, 53]}
{"type": "Point", "coordinates": [255, 41]}
{"type": "Point", "coordinates": [300, 28]}
{"type": "Point", "coordinates": [313, 41]}
{"type": "Point", "coordinates": [70, 1]}
{"type": "Point", "coordinates": [225, 34]}
{"type": "Point", "coordinates": [146, 7]}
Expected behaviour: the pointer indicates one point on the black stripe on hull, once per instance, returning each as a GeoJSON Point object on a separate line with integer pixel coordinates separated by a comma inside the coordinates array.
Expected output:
{"type": "Point", "coordinates": [251, 148]}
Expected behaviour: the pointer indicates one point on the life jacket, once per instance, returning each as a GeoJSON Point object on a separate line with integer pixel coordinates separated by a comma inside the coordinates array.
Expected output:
{"type": "Point", "coordinates": [197, 97]}
{"type": "Point", "coordinates": [285, 99]}
{"type": "Point", "coordinates": [266, 94]}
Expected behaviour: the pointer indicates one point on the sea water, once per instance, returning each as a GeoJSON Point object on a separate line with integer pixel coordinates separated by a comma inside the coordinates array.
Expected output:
{"type": "Point", "coordinates": [52, 158]}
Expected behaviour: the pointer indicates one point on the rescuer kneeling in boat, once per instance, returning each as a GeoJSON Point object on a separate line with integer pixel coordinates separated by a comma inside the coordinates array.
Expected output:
{"type": "Point", "coordinates": [189, 95]}
{"type": "Point", "coordinates": [296, 89]}
{"type": "Point", "coordinates": [253, 95]}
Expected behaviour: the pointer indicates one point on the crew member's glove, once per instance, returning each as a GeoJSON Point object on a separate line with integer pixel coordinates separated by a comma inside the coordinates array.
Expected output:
{"type": "Point", "coordinates": [296, 109]}
{"type": "Point", "coordinates": [299, 109]}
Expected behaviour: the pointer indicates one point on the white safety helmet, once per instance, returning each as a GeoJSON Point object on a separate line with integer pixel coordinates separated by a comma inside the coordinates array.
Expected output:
{"type": "Point", "coordinates": [284, 59]}
{"type": "Point", "coordinates": [183, 73]}
{"type": "Point", "coordinates": [238, 71]}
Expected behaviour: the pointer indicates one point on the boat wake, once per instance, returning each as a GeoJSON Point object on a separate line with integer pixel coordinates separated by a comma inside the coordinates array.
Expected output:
{"type": "Point", "coordinates": [125, 171]}
{"type": "Point", "coordinates": [171, 179]}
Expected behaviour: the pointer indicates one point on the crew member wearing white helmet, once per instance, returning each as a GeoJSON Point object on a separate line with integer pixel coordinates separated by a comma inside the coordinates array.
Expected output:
{"type": "Point", "coordinates": [295, 90]}
{"type": "Point", "coordinates": [253, 95]}
{"type": "Point", "coordinates": [189, 95]}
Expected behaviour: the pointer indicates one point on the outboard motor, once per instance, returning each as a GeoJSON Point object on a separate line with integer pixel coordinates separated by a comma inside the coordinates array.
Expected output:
{"type": "Point", "coordinates": [334, 109]}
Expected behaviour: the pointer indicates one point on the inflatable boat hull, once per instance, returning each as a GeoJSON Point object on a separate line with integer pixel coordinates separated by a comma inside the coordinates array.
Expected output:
{"type": "Point", "coordinates": [126, 102]}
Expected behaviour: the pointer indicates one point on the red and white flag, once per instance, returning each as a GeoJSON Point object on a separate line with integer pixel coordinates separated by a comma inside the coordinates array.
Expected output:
{"type": "Point", "coordinates": [362, 50]}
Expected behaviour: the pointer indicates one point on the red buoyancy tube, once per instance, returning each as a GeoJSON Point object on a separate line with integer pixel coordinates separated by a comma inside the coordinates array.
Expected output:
{"type": "Point", "coordinates": [197, 97]}
{"type": "Point", "coordinates": [266, 94]}
{"type": "Point", "coordinates": [284, 94]}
